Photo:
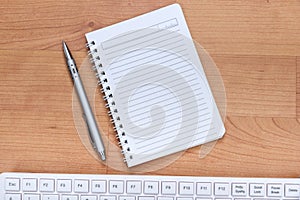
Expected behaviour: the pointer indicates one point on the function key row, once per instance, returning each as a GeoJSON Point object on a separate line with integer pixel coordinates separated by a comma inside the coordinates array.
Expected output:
{"type": "Point", "coordinates": [152, 187]}
{"type": "Point", "coordinates": [18, 196]}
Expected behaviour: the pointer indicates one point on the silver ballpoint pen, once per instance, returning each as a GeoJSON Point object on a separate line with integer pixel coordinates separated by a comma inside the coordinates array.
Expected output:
{"type": "Point", "coordinates": [88, 115]}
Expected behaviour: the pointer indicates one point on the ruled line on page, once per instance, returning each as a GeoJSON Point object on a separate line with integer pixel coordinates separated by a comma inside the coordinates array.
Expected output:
{"type": "Point", "coordinates": [168, 120]}
{"type": "Point", "coordinates": [121, 93]}
{"type": "Point", "coordinates": [137, 66]}
{"type": "Point", "coordinates": [111, 42]}
{"type": "Point", "coordinates": [160, 63]}
{"type": "Point", "coordinates": [188, 77]}
{"type": "Point", "coordinates": [171, 127]}
{"type": "Point", "coordinates": [136, 117]}
{"type": "Point", "coordinates": [154, 101]}
{"type": "Point", "coordinates": [169, 110]}
{"type": "Point", "coordinates": [115, 67]}
{"type": "Point", "coordinates": [132, 55]}
{"type": "Point", "coordinates": [175, 148]}
{"type": "Point", "coordinates": [163, 141]}
{"type": "Point", "coordinates": [128, 39]}
{"type": "Point", "coordinates": [143, 70]}
{"type": "Point", "coordinates": [154, 90]}
{"type": "Point", "coordinates": [124, 93]}
{"type": "Point", "coordinates": [137, 109]}
{"type": "Point", "coordinates": [142, 40]}
{"type": "Point", "coordinates": [156, 44]}
{"type": "Point", "coordinates": [164, 35]}
{"type": "Point", "coordinates": [117, 71]}
{"type": "Point", "coordinates": [161, 53]}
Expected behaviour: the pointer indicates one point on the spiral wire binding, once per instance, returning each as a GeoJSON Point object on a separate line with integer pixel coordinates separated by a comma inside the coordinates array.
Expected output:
{"type": "Point", "coordinates": [108, 97]}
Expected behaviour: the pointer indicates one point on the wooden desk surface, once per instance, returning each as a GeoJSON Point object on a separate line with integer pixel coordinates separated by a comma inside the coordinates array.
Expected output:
{"type": "Point", "coordinates": [255, 44]}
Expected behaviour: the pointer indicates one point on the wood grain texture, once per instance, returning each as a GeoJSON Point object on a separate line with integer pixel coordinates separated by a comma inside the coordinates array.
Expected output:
{"type": "Point", "coordinates": [298, 87]}
{"type": "Point", "coordinates": [255, 44]}
{"type": "Point", "coordinates": [258, 27]}
{"type": "Point", "coordinates": [259, 85]}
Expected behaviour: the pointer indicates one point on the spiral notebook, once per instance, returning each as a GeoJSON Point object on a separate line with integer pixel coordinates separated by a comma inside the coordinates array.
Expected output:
{"type": "Point", "coordinates": [154, 84]}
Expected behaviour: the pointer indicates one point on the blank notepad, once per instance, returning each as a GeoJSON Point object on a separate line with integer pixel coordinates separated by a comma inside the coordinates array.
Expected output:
{"type": "Point", "coordinates": [154, 85]}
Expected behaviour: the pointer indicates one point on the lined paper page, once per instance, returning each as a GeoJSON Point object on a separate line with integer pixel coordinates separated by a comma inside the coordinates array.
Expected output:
{"type": "Point", "coordinates": [163, 99]}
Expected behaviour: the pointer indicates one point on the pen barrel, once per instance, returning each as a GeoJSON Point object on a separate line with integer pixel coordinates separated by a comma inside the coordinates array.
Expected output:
{"type": "Point", "coordinates": [89, 116]}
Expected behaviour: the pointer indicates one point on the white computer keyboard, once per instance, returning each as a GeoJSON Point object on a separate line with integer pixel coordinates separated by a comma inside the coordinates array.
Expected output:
{"type": "Point", "coordinates": [37, 186]}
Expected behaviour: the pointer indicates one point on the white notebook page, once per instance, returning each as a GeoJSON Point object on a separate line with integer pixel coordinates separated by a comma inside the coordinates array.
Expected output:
{"type": "Point", "coordinates": [158, 85]}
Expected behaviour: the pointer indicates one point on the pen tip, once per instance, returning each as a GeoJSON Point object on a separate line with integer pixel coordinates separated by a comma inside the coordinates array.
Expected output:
{"type": "Point", "coordinates": [66, 51]}
{"type": "Point", "coordinates": [64, 44]}
{"type": "Point", "coordinates": [102, 155]}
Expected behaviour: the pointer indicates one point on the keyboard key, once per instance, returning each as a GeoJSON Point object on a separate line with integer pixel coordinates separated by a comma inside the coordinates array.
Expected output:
{"type": "Point", "coordinates": [50, 197]}
{"type": "Point", "coordinates": [107, 197]}
{"type": "Point", "coordinates": [151, 187]}
{"type": "Point", "coordinates": [222, 189]}
{"type": "Point", "coordinates": [185, 198]}
{"type": "Point", "coordinates": [69, 197]}
{"type": "Point", "coordinates": [29, 185]}
{"type": "Point", "coordinates": [257, 190]}
{"type": "Point", "coordinates": [274, 190]}
{"type": "Point", "coordinates": [291, 190]}
{"type": "Point", "coordinates": [239, 189]}
{"type": "Point", "coordinates": [98, 186]}
{"type": "Point", "coordinates": [242, 198]}
{"type": "Point", "coordinates": [203, 189]}
{"type": "Point", "coordinates": [12, 196]}
{"type": "Point", "coordinates": [90, 197]}
{"type": "Point", "coordinates": [203, 198]}
{"type": "Point", "coordinates": [186, 188]}
{"type": "Point", "coordinates": [116, 187]}
{"type": "Point", "coordinates": [134, 187]}
{"type": "Point", "coordinates": [225, 199]}
{"type": "Point", "coordinates": [47, 185]}
{"type": "Point", "coordinates": [81, 186]}
{"type": "Point", "coordinates": [168, 187]}
{"type": "Point", "coordinates": [126, 198]}
{"type": "Point", "coordinates": [272, 199]}
{"type": "Point", "coordinates": [165, 198]}
{"type": "Point", "coordinates": [146, 198]}
{"type": "Point", "coordinates": [12, 184]}
{"type": "Point", "coordinates": [31, 197]}
{"type": "Point", "coordinates": [64, 186]}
